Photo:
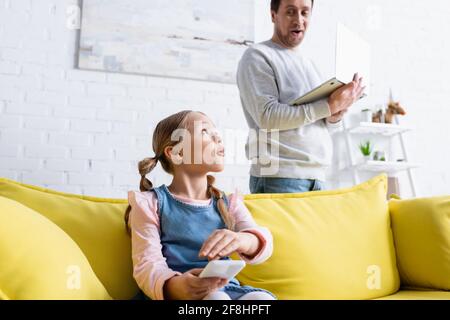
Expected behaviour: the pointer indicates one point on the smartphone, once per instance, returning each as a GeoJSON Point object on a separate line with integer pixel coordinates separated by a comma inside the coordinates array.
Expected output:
{"type": "Point", "coordinates": [225, 269]}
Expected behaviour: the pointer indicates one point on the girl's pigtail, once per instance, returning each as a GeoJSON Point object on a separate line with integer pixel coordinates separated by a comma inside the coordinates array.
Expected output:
{"type": "Point", "coordinates": [222, 206]}
{"type": "Point", "coordinates": [144, 166]}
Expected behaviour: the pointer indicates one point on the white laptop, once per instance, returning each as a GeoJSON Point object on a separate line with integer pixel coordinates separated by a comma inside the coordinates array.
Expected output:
{"type": "Point", "coordinates": [352, 56]}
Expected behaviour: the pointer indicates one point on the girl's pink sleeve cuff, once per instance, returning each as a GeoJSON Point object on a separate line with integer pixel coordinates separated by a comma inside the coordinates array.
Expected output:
{"type": "Point", "coordinates": [265, 243]}
{"type": "Point", "coordinates": [245, 223]}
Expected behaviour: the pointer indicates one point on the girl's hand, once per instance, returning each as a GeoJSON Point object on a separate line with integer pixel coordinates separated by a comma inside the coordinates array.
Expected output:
{"type": "Point", "coordinates": [189, 286]}
{"type": "Point", "coordinates": [221, 243]}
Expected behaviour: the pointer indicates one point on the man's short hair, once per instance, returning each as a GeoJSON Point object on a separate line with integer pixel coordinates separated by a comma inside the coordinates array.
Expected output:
{"type": "Point", "coordinates": [275, 4]}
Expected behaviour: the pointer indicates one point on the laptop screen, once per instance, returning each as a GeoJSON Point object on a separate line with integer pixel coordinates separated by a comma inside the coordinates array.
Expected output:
{"type": "Point", "coordinates": [353, 54]}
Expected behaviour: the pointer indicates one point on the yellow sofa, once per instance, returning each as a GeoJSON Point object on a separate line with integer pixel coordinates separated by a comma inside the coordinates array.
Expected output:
{"type": "Point", "coordinates": [341, 244]}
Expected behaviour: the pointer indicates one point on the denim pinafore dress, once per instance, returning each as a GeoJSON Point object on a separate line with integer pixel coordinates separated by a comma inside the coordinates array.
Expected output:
{"type": "Point", "coordinates": [184, 229]}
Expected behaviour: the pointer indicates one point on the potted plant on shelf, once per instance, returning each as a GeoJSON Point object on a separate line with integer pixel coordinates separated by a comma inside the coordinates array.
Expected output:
{"type": "Point", "coordinates": [366, 149]}
{"type": "Point", "coordinates": [379, 156]}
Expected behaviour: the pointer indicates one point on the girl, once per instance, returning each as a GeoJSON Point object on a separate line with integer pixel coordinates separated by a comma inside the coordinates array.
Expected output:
{"type": "Point", "coordinates": [176, 229]}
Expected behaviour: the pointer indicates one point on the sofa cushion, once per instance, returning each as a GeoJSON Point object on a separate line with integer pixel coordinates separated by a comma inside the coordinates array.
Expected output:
{"type": "Point", "coordinates": [40, 261]}
{"type": "Point", "coordinates": [95, 224]}
{"type": "Point", "coordinates": [422, 239]}
{"type": "Point", "coordinates": [327, 245]}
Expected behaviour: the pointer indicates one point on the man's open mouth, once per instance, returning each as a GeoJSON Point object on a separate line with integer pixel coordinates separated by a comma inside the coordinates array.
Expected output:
{"type": "Point", "coordinates": [297, 32]}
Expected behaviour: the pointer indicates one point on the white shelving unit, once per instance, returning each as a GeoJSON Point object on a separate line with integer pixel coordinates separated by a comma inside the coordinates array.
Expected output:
{"type": "Point", "coordinates": [383, 129]}
{"type": "Point", "coordinates": [383, 166]}
{"type": "Point", "coordinates": [388, 167]}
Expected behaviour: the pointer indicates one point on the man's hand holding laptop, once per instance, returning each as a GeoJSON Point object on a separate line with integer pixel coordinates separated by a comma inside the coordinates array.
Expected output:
{"type": "Point", "coordinates": [343, 98]}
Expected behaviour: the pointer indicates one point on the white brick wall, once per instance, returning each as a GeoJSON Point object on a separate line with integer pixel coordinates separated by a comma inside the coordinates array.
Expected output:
{"type": "Point", "coordinates": [84, 131]}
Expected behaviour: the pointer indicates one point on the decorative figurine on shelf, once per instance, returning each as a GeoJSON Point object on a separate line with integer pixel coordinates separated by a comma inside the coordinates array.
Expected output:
{"type": "Point", "coordinates": [387, 116]}
{"type": "Point", "coordinates": [394, 108]}
{"type": "Point", "coordinates": [379, 115]}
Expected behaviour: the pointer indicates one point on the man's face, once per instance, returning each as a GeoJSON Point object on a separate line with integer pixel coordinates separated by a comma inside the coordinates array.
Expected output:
{"type": "Point", "coordinates": [291, 21]}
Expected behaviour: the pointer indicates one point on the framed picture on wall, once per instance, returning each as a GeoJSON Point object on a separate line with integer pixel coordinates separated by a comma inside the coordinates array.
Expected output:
{"type": "Point", "coordinates": [193, 39]}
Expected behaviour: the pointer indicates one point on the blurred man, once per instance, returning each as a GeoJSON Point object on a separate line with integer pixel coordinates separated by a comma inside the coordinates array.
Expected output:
{"type": "Point", "coordinates": [270, 75]}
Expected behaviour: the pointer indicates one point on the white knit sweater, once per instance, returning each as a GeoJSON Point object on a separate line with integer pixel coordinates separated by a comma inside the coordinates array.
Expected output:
{"type": "Point", "coordinates": [269, 77]}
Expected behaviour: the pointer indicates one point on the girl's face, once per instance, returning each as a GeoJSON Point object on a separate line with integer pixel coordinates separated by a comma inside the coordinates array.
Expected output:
{"type": "Point", "coordinates": [201, 149]}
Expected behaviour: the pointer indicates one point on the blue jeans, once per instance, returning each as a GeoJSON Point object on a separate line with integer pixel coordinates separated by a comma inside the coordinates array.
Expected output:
{"type": "Point", "coordinates": [284, 185]}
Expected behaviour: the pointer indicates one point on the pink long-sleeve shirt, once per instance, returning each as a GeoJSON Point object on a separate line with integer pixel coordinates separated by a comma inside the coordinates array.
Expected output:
{"type": "Point", "coordinates": [150, 269]}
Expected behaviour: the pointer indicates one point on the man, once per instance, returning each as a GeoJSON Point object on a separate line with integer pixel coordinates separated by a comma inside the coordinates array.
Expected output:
{"type": "Point", "coordinates": [270, 75]}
